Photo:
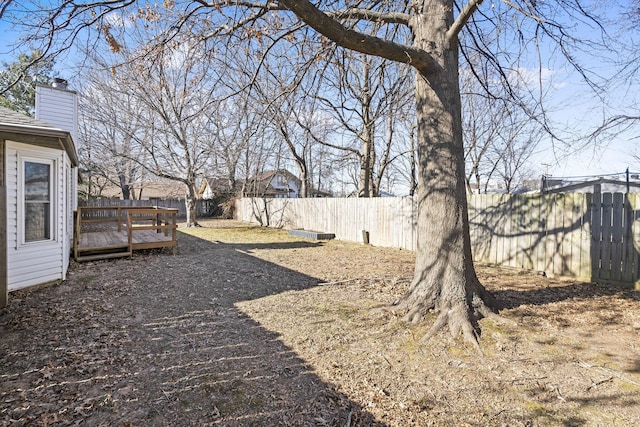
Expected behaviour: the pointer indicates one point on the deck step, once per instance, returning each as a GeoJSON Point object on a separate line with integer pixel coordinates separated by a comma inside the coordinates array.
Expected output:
{"type": "Point", "coordinates": [103, 256]}
{"type": "Point", "coordinates": [111, 247]}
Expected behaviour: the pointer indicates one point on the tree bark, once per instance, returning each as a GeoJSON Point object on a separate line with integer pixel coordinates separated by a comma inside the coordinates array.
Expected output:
{"type": "Point", "coordinates": [367, 159]}
{"type": "Point", "coordinates": [190, 202]}
{"type": "Point", "coordinates": [444, 278]}
{"type": "Point", "coordinates": [124, 186]}
{"type": "Point", "coordinates": [304, 181]}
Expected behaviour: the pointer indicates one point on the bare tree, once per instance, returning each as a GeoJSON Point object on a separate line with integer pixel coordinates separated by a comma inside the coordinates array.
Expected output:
{"type": "Point", "coordinates": [112, 122]}
{"type": "Point", "coordinates": [178, 97]}
{"type": "Point", "coordinates": [481, 123]}
{"type": "Point", "coordinates": [362, 94]}
{"type": "Point", "coordinates": [234, 126]}
{"type": "Point", "coordinates": [397, 142]}
{"type": "Point", "coordinates": [169, 91]}
{"type": "Point", "coordinates": [514, 145]}
{"type": "Point", "coordinates": [498, 141]}
{"type": "Point", "coordinates": [277, 93]}
{"type": "Point", "coordinates": [425, 36]}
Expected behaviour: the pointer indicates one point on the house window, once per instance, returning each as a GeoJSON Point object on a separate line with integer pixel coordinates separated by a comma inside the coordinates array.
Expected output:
{"type": "Point", "coordinates": [38, 203]}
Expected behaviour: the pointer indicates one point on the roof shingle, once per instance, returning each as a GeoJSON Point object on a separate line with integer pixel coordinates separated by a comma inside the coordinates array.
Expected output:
{"type": "Point", "coordinates": [14, 118]}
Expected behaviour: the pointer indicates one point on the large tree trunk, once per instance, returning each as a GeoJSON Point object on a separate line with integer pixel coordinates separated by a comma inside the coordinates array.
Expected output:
{"type": "Point", "coordinates": [304, 181]}
{"type": "Point", "coordinates": [125, 187]}
{"type": "Point", "coordinates": [444, 279]}
{"type": "Point", "coordinates": [191, 205]}
{"type": "Point", "coordinates": [367, 159]}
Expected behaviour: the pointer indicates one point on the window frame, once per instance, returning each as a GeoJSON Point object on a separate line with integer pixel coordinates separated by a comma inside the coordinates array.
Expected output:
{"type": "Point", "coordinates": [51, 161]}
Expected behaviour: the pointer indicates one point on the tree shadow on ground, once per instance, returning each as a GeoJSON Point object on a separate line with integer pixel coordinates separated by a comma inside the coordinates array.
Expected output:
{"type": "Point", "coordinates": [598, 300]}
{"type": "Point", "coordinates": [635, 368]}
{"type": "Point", "coordinates": [158, 340]}
{"type": "Point", "coordinates": [248, 247]}
{"type": "Point", "coordinates": [513, 298]}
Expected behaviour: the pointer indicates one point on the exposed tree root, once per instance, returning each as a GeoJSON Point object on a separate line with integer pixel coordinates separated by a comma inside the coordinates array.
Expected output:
{"type": "Point", "coordinates": [459, 321]}
{"type": "Point", "coordinates": [461, 312]}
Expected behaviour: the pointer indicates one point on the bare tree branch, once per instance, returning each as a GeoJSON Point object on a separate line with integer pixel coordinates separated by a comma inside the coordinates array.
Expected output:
{"type": "Point", "coordinates": [372, 15]}
{"type": "Point", "coordinates": [523, 11]}
{"type": "Point", "coordinates": [462, 19]}
{"type": "Point", "coordinates": [350, 39]}
{"type": "Point", "coordinates": [3, 7]}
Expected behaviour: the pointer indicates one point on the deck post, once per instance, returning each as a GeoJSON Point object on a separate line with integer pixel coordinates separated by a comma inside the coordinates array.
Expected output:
{"type": "Point", "coordinates": [174, 231]}
{"type": "Point", "coordinates": [130, 233]}
{"type": "Point", "coordinates": [165, 216]}
{"type": "Point", "coordinates": [77, 215]}
{"type": "Point", "coordinates": [154, 220]}
{"type": "Point", "coordinates": [119, 212]}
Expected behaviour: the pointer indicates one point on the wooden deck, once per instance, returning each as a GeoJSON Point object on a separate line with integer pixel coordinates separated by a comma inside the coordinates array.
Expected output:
{"type": "Point", "coordinates": [111, 232]}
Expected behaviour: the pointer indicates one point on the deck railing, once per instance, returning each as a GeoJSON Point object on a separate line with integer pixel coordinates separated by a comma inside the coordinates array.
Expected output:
{"type": "Point", "coordinates": [136, 220]}
{"type": "Point", "coordinates": [162, 221]}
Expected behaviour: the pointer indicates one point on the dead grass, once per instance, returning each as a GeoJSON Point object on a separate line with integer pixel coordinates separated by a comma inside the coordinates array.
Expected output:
{"type": "Point", "coordinates": [250, 326]}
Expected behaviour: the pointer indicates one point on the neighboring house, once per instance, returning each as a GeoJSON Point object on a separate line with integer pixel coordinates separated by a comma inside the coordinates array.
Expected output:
{"type": "Point", "coordinates": [38, 190]}
{"type": "Point", "coordinates": [148, 190]}
{"type": "Point", "coordinates": [278, 184]}
{"type": "Point", "coordinates": [356, 193]}
{"type": "Point", "coordinates": [599, 185]}
{"type": "Point", "coordinates": [491, 187]}
{"type": "Point", "coordinates": [215, 187]}
{"type": "Point", "coordinates": [318, 193]}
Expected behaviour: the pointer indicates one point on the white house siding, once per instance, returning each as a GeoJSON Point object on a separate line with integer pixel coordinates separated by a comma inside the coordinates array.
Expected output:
{"type": "Point", "coordinates": [293, 186]}
{"type": "Point", "coordinates": [36, 262]}
{"type": "Point", "coordinates": [207, 193]}
{"type": "Point", "coordinates": [58, 107]}
{"type": "Point", "coordinates": [283, 182]}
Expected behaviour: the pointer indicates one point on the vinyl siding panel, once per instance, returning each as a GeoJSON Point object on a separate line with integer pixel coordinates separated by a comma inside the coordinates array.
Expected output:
{"type": "Point", "coordinates": [22, 270]}
{"type": "Point", "coordinates": [47, 257]}
{"type": "Point", "coordinates": [38, 278]}
{"type": "Point", "coordinates": [58, 107]}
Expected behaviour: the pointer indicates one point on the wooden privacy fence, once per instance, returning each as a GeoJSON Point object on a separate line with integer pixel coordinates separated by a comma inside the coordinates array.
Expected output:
{"type": "Point", "coordinates": [389, 221]}
{"type": "Point", "coordinates": [203, 207]}
{"type": "Point", "coordinates": [587, 236]}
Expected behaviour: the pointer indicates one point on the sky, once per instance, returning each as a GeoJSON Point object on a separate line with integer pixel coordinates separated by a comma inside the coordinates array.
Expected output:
{"type": "Point", "coordinates": [580, 114]}
{"type": "Point", "coordinates": [575, 109]}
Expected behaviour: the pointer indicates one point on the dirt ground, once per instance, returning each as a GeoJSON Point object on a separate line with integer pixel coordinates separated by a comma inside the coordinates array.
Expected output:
{"type": "Point", "coordinates": [253, 327]}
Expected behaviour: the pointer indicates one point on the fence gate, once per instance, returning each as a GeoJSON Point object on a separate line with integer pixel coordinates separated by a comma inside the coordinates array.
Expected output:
{"type": "Point", "coordinates": [614, 253]}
